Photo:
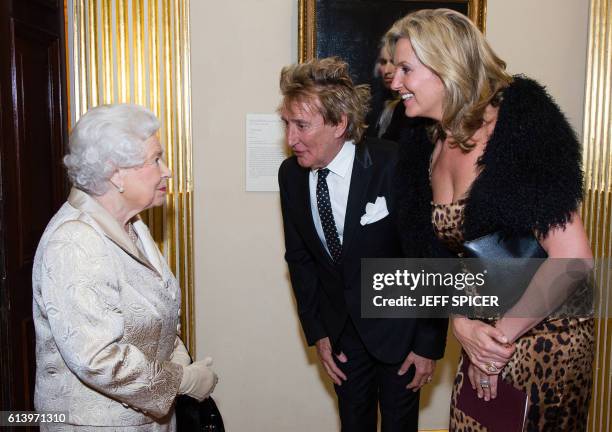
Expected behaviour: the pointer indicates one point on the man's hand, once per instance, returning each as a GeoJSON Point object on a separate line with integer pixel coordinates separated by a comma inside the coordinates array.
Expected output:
{"type": "Point", "coordinates": [424, 369]}
{"type": "Point", "coordinates": [324, 350]}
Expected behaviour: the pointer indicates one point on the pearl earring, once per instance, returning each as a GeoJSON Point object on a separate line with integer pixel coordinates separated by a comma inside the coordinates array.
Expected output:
{"type": "Point", "coordinates": [119, 188]}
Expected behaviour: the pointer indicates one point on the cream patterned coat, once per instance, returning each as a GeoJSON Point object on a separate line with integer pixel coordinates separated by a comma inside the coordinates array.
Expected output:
{"type": "Point", "coordinates": [106, 318]}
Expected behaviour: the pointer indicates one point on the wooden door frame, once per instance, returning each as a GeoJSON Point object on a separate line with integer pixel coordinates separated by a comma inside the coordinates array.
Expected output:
{"type": "Point", "coordinates": [5, 354]}
{"type": "Point", "coordinates": [43, 20]}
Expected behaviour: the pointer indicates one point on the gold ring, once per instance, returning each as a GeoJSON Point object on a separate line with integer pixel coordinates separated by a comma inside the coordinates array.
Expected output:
{"type": "Point", "coordinates": [492, 368]}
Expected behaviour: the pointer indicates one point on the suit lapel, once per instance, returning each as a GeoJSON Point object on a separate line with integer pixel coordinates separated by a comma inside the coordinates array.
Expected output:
{"type": "Point", "coordinates": [360, 179]}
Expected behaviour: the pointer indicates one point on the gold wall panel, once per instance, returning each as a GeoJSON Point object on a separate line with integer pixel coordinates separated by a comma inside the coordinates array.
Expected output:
{"type": "Point", "coordinates": [597, 206]}
{"type": "Point", "coordinates": [137, 51]}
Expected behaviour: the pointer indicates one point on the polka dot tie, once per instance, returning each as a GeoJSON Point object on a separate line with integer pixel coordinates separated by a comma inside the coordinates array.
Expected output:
{"type": "Point", "coordinates": [327, 217]}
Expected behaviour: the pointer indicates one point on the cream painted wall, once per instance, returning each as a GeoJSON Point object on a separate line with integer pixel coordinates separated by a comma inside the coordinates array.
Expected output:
{"type": "Point", "coordinates": [269, 380]}
{"type": "Point", "coordinates": [547, 40]}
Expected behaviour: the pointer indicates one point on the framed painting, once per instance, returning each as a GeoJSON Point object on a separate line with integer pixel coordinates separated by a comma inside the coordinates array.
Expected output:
{"type": "Point", "coordinates": [352, 29]}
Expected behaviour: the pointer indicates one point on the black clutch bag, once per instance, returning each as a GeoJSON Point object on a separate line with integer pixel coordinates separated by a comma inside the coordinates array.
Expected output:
{"type": "Point", "coordinates": [194, 416]}
{"type": "Point", "coordinates": [499, 246]}
{"type": "Point", "coordinates": [510, 263]}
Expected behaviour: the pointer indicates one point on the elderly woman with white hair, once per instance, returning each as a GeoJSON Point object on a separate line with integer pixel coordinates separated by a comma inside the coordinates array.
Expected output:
{"type": "Point", "coordinates": [106, 305]}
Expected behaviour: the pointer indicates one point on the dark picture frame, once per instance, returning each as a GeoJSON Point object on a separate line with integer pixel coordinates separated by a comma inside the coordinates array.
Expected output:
{"type": "Point", "coordinates": [352, 29]}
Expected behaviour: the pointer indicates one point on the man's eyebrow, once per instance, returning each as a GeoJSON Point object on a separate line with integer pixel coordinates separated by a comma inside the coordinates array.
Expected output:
{"type": "Point", "coordinates": [293, 120]}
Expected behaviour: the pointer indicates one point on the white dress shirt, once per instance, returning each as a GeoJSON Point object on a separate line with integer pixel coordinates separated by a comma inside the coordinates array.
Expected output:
{"type": "Point", "coordinates": [338, 183]}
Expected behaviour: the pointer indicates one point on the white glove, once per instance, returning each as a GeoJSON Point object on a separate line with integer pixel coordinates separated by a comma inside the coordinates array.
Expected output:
{"type": "Point", "coordinates": [180, 354]}
{"type": "Point", "coordinates": [199, 380]}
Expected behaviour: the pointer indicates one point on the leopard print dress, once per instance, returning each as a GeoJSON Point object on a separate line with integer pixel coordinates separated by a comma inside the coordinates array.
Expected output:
{"type": "Point", "coordinates": [552, 362]}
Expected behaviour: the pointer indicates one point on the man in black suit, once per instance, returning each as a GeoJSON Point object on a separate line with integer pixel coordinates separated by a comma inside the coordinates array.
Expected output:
{"type": "Point", "coordinates": [325, 188]}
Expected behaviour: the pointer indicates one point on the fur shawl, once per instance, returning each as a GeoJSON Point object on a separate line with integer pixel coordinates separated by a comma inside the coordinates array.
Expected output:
{"type": "Point", "coordinates": [530, 179]}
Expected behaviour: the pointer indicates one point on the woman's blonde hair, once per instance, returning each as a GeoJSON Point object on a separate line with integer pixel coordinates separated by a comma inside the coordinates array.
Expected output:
{"type": "Point", "coordinates": [449, 44]}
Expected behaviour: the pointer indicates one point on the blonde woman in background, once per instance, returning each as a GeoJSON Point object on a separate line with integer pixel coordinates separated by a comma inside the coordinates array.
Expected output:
{"type": "Point", "coordinates": [383, 72]}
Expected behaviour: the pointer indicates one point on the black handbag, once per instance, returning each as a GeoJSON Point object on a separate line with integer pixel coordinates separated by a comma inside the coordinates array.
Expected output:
{"type": "Point", "coordinates": [510, 263]}
{"type": "Point", "coordinates": [194, 416]}
{"type": "Point", "coordinates": [499, 246]}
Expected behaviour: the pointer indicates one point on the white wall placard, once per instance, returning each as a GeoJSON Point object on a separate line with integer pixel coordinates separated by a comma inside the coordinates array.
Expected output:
{"type": "Point", "coordinates": [265, 150]}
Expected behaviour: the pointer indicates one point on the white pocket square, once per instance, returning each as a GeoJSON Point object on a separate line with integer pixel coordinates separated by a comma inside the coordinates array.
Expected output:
{"type": "Point", "coordinates": [375, 211]}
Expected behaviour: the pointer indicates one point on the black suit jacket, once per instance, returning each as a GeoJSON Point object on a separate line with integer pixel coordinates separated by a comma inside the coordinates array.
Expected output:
{"type": "Point", "coordinates": [328, 293]}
